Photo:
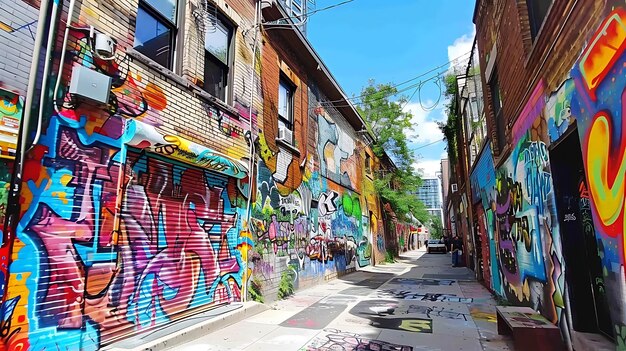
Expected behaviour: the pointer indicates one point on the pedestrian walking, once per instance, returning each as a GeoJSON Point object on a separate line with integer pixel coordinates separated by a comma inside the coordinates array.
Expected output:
{"type": "Point", "coordinates": [457, 250]}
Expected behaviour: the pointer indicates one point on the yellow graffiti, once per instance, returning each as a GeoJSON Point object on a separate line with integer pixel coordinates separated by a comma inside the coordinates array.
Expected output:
{"type": "Point", "coordinates": [66, 179]}
{"type": "Point", "coordinates": [417, 325]}
{"type": "Point", "coordinates": [606, 46]}
{"type": "Point", "coordinates": [267, 154]}
{"type": "Point", "coordinates": [62, 195]}
{"type": "Point", "coordinates": [609, 194]}
{"type": "Point", "coordinates": [483, 316]}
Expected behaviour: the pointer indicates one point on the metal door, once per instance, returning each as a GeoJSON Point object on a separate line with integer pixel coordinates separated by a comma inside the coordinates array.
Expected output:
{"type": "Point", "coordinates": [177, 240]}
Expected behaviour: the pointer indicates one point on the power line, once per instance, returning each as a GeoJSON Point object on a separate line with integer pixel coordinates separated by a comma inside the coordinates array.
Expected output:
{"type": "Point", "coordinates": [384, 96]}
{"type": "Point", "coordinates": [306, 15]}
{"type": "Point", "coordinates": [404, 82]}
{"type": "Point", "coordinates": [429, 144]}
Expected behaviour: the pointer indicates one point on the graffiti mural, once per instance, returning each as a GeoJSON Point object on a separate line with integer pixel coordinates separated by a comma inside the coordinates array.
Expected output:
{"type": "Point", "coordinates": [317, 228]}
{"type": "Point", "coordinates": [599, 105]}
{"type": "Point", "coordinates": [11, 110]}
{"type": "Point", "coordinates": [122, 240]}
{"type": "Point", "coordinates": [313, 214]}
{"type": "Point", "coordinates": [559, 112]}
{"type": "Point", "coordinates": [123, 225]}
{"type": "Point", "coordinates": [411, 295]}
{"type": "Point", "coordinates": [529, 256]}
{"type": "Point", "coordinates": [517, 218]}
{"type": "Point", "coordinates": [335, 150]}
{"type": "Point", "coordinates": [333, 339]}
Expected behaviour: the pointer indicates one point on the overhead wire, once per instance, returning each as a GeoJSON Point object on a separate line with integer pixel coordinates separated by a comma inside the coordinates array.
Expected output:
{"type": "Point", "coordinates": [413, 78]}
{"type": "Point", "coordinates": [436, 103]}
{"type": "Point", "coordinates": [429, 144]}
{"type": "Point", "coordinates": [417, 86]}
{"type": "Point", "coordinates": [306, 15]}
{"type": "Point", "coordinates": [383, 96]}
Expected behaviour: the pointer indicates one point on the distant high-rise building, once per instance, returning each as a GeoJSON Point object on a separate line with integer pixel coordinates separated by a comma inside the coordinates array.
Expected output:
{"type": "Point", "coordinates": [445, 178]}
{"type": "Point", "coordinates": [430, 194]}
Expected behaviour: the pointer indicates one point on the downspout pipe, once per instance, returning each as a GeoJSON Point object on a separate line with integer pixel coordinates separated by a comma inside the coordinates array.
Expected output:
{"type": "Point", "coordinates": [14, 192]}
{"type": "Point", "coordinates": [13, 207]}
{"type": "Point", "coordinates": [252, 163]}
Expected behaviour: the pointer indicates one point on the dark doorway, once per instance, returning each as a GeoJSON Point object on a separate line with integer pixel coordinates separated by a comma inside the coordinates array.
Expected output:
{"type": "Point", "coordinates": [590, 312]}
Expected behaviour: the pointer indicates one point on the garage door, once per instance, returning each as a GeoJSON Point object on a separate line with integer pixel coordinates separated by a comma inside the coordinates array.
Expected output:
{"type": "Point", "coordinates": [177, 243]}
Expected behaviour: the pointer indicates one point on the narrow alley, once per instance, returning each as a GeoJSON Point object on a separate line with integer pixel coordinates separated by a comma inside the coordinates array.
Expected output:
{"type": "Point", "coordinates": [419, 303]}
{"type": "Point", "coordinates": [264, 174]}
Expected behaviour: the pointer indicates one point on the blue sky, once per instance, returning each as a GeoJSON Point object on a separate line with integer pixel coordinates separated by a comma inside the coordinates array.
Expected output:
{"type": "Point", "coordinates": [392, 41]}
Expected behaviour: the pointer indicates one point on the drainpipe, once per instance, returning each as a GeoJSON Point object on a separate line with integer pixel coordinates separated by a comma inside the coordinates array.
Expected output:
{"type": "Point", "coordinates": [13, 204]}
{"type": "Point", "coordinates": [13, 207]}
{"type": "Point", "coordinates": [252, 163]}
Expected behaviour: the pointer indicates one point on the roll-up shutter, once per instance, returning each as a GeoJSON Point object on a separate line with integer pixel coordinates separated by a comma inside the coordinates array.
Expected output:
{"type": "Point", "coordinates": [177, 242]}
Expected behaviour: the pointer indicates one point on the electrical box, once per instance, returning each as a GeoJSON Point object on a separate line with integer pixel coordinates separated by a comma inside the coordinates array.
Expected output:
{"type": "Point", "coordinates": [91, 85]}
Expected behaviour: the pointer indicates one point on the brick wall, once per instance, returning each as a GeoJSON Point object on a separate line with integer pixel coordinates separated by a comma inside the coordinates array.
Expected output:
{"type": "Point", "coordinates": [520, 61]}
{"type": "Point", "coordinates": [127, 187]}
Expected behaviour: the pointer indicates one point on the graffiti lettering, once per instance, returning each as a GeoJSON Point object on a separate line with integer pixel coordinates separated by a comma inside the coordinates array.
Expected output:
{"type": "Point", "coordinates": [338, 340]}
{"type": "Point", "coordinates": [326, 203]}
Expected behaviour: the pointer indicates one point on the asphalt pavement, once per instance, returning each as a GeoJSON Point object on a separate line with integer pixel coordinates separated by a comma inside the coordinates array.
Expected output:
{"type": "Point", "coordinates": [419, 303]}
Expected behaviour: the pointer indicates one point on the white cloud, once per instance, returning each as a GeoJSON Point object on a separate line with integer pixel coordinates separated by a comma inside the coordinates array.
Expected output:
{"type": "Point", "coordinates": [427, 167]}
{"type": "Point", "coordinates": [425, 128]}
{"type": "Point", "coordinates": [461, 47]}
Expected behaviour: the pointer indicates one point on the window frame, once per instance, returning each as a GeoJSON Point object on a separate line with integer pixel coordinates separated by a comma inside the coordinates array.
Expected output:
{"type": "Point", "coordinates": [288, 121]}
{"type": "Point", "coordinates": [533, 22]}
{"type": "Point", "coordinates": [500, 124]}
{"type": "Point", "coordinates": [226, 67]}
{"type": "Point", "coordinates": [173, 26]}
{"type": "Point", "coordinates": [494, 82]}
{"type": "Point", "coordinates": [368, 163]}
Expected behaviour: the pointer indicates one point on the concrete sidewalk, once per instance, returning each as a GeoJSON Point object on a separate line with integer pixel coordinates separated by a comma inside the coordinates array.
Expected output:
{"type": "Point", "coordinates": [418, 303]}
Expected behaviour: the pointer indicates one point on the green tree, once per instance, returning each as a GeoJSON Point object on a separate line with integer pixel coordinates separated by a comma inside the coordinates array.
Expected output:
{"type": "Point", "coordinates": [388, 123]}
{"type": "Point", "coordinates": [449, 128]}
{"type": "Point", "coordinates": [436, 228]}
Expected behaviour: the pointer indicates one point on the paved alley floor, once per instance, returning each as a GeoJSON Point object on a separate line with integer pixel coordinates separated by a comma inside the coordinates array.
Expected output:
{"type": "Point", "coordinates": [419, 303]}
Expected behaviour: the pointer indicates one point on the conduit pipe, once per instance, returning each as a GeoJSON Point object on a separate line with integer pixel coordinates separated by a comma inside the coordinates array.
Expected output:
{"type": "Point", "coordinates": [251, 163]}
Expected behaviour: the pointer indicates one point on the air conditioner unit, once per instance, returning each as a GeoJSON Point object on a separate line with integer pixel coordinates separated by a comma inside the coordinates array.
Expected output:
{"type": "Point", "coordinates": [454, 188]}
{"type": "Point", "coordinates": [285, 135]}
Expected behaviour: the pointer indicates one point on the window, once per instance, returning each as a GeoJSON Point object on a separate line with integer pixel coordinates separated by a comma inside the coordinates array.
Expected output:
{"type": "Point", "coordinates": [496, 102]}
{"type": "Point", "coordinates": [368, 163]}
{"type": "Point", "coordinates": [155, 30]}
{"type": "Point", "coordinates": [537, 11]}
{"type": "Point", "coordinates": [217, 57]}
{"type": "Point", "coordinates": [494, 88]}
{"type": "Point", "coordinates": [285, 107]}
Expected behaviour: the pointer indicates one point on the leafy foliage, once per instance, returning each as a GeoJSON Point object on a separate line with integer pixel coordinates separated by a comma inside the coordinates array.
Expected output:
{"type": "Point", "coordinates": [388, 123]}
{"type": "Point", "coordinates": [436, 228]}
{"type": "Point", "coordinates": [285, 287]}
{"type": "Point", "coordinates": [389, 257]}
{"type": "Point", "coordinates": [449, 129]}
{"type": "Point", "coordinates": [255, 292]}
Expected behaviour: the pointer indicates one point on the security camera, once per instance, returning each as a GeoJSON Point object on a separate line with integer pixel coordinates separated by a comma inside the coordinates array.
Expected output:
{"type": "Point", "coordinates": [104, 45]}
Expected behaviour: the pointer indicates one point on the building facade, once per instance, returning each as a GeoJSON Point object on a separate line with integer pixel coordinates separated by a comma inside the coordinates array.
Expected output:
{"type": "Point", "coordinates": [430, 193]}
{"type": "Point", "coordinates": [159, 158]}
{"type": "Point", "coordinates": [545, 183]}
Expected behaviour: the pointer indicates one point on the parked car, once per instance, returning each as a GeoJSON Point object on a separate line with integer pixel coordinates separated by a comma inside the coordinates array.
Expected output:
{"type": "Point", "coordinates": [435, 245]}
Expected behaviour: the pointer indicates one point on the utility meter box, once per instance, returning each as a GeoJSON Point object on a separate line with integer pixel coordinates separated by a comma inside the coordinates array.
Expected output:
{"type": "Point", "coordinates": [91, 85]}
